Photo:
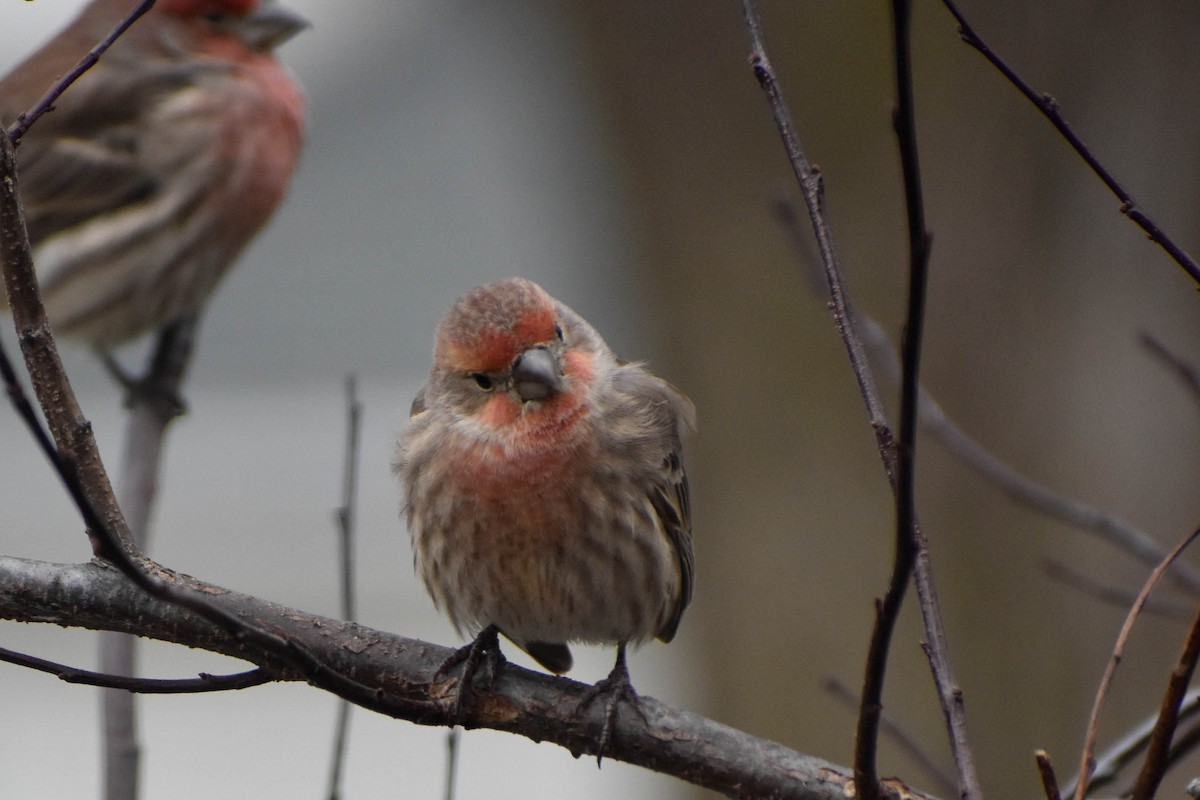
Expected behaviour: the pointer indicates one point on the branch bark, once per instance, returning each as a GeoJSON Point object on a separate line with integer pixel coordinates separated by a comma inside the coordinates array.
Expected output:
{"type": "Point", "coordinates": [535, 705]}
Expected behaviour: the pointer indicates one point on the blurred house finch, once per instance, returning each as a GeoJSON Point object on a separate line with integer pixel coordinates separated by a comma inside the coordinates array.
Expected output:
{"type": "Point", "coordinates": [545, 492]}
{"type": "Point", "coordinates": [158, 165]}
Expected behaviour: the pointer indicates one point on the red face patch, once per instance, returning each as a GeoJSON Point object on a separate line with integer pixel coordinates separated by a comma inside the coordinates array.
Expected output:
{"type": "Point", "coordinates": [489, 327]}
{"type": "Point", "coordinates": [195, 8]}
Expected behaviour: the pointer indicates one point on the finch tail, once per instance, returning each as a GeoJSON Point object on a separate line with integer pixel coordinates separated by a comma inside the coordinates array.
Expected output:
{"type": "Point", "coordinates": [554, 657]}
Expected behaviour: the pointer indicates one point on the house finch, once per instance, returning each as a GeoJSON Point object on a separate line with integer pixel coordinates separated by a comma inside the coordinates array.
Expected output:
{"type": "Point", "coordinates": [545, 491]}
{"type": "Point", "coordinates": [159, 164]}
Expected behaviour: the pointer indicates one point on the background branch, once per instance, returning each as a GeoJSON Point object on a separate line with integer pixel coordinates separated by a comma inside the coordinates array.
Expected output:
{"type": "Point", "coordinates": [345, 518]}
{"type": "Point", "coordinates": [154, 400]}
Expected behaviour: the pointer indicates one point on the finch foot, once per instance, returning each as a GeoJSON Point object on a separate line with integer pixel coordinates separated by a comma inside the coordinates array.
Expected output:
{"type": "Point", "coordinates": [159, 388]}
{"type": "Point", "coordinates": [616, 687]}
{"type": "Point", "coordinates": [486, 644]}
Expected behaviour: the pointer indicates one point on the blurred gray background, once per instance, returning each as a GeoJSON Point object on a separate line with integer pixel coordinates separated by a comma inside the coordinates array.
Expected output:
{"type": "Point", "coordinates": [622, 155]}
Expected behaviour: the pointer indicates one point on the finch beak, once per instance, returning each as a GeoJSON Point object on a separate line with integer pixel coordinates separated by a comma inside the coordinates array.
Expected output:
{"type": "Point", "coordinates": [535, 374]}
{"type": "Point", "coordinates": [270, 26]}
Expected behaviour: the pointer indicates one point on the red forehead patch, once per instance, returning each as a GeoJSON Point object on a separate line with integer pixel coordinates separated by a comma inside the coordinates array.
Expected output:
{"type": "Point", "coordinates": [491, 325]}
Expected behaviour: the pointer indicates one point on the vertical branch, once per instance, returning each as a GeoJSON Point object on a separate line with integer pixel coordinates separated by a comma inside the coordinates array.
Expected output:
{"type": "Point", "coordinates": [888, 610]}
{"type": "Point", "coordinates": [809, 178]}
{"type": "Point", "coordinates": [153, 401]}
{"type": "Point", "coordinates": [345, 517]}
{"type": "Point", "coordinates": [911, 549]}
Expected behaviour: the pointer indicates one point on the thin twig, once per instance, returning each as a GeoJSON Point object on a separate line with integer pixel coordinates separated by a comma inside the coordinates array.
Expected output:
{"type": "Point", "coordinates": [203, 683]}
{"type": "Point", "coordinates": [1184, 370]}
{"type": "Point", "coordinates": [944, 783]}
{"type": "Point", "coordinates": [912, 553]}
{"type": "Point", "coordinates": [46, 102]}
{"type": "Point", "coordinates": [1049, 779]}
{"type": "Point", "coordinates": [1159, 751]}
{"type": "Point", "coordinates": [887, 611]}
{"type": "Point", "coordinates": [811, 189]}
{"type": "Point", "coordinates": [345, 518]}
{"type": "Point", "coordinates": [1050, 110]}
{"type": "Point", "coordinates": [153, 400]}
{"type": "Point", "coordinates": [1120, 754]}
{"type": "Point", "coordinates": [1089, 745]}
{"type": "Point", "coordinates": [453, 743]}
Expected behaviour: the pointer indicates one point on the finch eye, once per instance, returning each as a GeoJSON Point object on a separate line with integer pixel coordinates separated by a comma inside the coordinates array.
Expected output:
{"type": "Point", "coordinates": [482, 381]}
{"type": "Point", "coordinates": [214, 16]}
{"type": "Point", "coordinates": [558, 332]}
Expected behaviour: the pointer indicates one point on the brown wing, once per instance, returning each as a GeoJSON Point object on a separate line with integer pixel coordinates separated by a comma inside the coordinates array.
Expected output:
{"type": "Point", "coordinates": [673, 506]}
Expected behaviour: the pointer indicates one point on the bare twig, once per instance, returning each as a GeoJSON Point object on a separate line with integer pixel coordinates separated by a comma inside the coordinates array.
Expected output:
{"type": "Point", "coordinates": [1185, 371]}
{"type": "Point", "coordinates": [904, 487]}
{"type": "Point", "coordinates": [203, 683]}
{"type": "Point", "coordinates": [1089, 746]}
{"type": "Point", "coordinates": [453, 742]}
{"type": "Point", "coordinates": [345, 517]}
{"type": "Point", "coordinates": [944, 783]}
{"type": "Point", "coordinates": [1046, 771]}
{"type": "Point", "coordinates": [46, 102]}
{"type": "Point", "coordinates": [1159, 751]}
{"type": "Point", "coordinates": [153, 400]}
{"type": "Point", "coordinates": [811, 189]}
{"type": "Point", "coordinates": [1050, 110]}
{"type": "Point", "coordinates": [910, 544]}
{"type": "Point", "coordinates": [1124, 751]}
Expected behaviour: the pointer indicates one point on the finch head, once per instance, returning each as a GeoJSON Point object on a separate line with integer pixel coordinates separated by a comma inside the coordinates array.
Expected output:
{"type": "Point", "coordinates": [543, 480]}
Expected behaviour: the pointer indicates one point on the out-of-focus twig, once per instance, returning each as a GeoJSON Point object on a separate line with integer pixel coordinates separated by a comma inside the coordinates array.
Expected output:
{"type": "Point", "coordinates": [1112, 595]}
{"type": "Point", "coordinates": [1185, 371]}
{"type": "Point", "coordinates": [453, 743]}
{"type": "Point", "coordinates": [345, 517]}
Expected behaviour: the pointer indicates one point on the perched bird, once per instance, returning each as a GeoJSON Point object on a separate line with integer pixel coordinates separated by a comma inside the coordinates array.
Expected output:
{"type": "Point", "coordinates": [544, 487]}
{"type": "Point", "coordinates": [159, 165]}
